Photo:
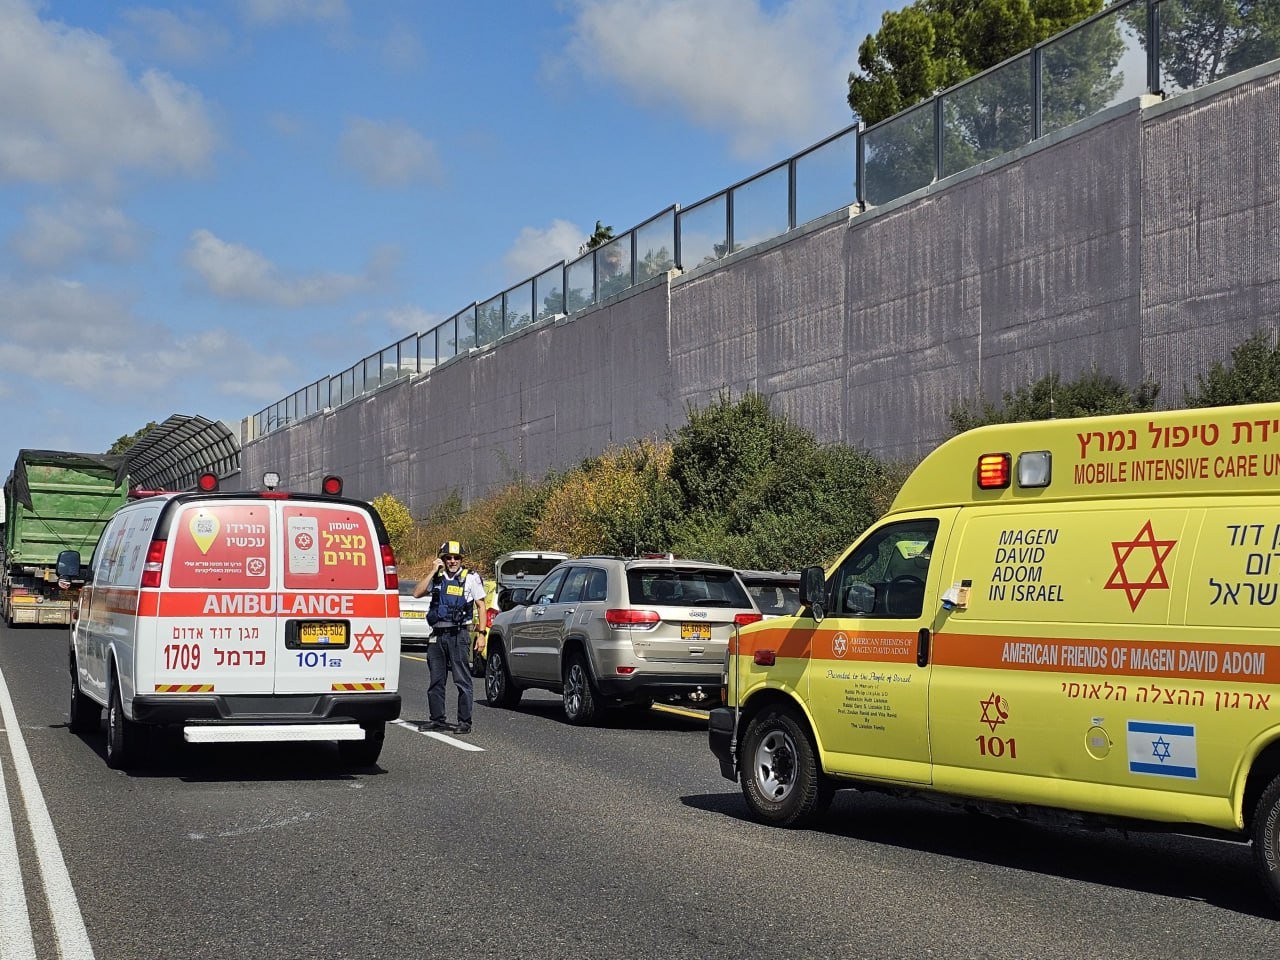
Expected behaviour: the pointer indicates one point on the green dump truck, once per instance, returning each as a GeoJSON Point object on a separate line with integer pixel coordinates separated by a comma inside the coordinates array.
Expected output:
{"type": "Point", "coordinates": [53, 501]}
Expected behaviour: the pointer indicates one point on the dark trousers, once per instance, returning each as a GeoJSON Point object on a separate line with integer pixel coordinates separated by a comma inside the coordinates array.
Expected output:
{"type": "Point", "coordinates": [451, 652]}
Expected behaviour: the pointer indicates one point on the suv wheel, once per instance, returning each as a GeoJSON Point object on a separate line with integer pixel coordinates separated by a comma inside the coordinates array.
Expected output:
{"type": "Point", "coordinates": [780, 777]}
{"type": "Point", "coordinates": [499, 690]}
{"type": "Point", "coordinates": [581, 702]}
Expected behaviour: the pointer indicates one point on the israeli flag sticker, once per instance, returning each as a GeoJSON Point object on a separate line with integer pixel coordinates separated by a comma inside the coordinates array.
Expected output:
{"type": "Point", "coordinates": [1162, 749]}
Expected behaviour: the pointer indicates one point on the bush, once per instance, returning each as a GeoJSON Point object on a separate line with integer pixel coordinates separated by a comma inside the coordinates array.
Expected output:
{"type": "Point", "coordinates": [396, 518]}
{"type": "Point", "coordinates": [1252, 376]}
{"type": "Point", "coordinates": [1089, 395]}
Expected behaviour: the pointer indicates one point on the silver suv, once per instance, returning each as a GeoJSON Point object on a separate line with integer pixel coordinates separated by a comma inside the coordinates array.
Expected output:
{"type": "Point", "coordinates": [610, 631]}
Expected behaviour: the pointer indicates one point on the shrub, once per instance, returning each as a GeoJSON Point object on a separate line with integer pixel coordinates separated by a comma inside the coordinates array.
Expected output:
{"type": "Point", "coordinates": [1252, 376]}
{"type": "Point", "coordinates": [396, 518]}
{"type": "Point", "coordinates": [1089, 395]}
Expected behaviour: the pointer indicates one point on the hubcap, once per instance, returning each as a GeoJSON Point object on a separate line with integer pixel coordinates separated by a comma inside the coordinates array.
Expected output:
{"type": "Point", "coordinates": [775, 765]}
{"type": "Point", "coordinates": [573, 691]}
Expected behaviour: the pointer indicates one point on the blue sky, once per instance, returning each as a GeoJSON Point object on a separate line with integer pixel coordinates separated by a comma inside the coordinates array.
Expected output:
{"type": "Point", "coordinates": [205, 206]}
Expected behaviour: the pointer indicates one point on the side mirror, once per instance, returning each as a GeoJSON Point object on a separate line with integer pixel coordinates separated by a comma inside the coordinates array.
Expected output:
{"type": "Point", "coordinates": [813, 590]}
{"type": "Point", "coordinates": [69, 565]}
{"type": "Point", "coordinates": [520, 597]}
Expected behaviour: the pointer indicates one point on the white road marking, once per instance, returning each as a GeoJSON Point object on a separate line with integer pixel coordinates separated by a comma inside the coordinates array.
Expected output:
{"type": "Point", "coordinates": [434, 735]}
{"type": "Point", "coordinates": [64, 908]}
{"type": "Point", "coordinates": [16, 942]}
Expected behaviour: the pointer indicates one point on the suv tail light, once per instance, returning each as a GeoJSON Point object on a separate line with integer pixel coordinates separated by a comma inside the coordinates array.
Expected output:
{"type": "Point", "coordinates": [742, 619]}
{"type": "Point", "coordinates": [627, 617]}
{"type": "Point", "coordinates": [389, 574]}
{"type": "Point", "coordinates": [154, 564]}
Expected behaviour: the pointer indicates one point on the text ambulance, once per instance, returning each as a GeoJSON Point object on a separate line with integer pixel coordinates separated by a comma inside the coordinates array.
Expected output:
{"type": "Point", "coordinates": [241, 617]}
{"type": "Point", "coordinates": [1076, 614]}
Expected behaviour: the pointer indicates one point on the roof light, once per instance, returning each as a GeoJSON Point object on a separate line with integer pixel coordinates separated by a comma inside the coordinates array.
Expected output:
{"type": "Point", "coordinates": [1035, 468]}
{"type": "Point", "coordinates": [389, 573]}
{"type": "Point", "coordinates": [742, 619]}
{"type": "Point", "coordinates": [154, 564]}
{"type": "Point", "coordinates": [627, 617]}
{"type": "Point", "coordinates": [993, 471]}
{"type": "Point", "coordinates": [332, 486]}
{"type": "Point", "coordinates": [207, 482]}
{"type": "Point", "coordinates": [270, 480]}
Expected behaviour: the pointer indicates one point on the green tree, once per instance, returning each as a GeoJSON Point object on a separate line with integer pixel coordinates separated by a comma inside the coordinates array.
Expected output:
{"type": "Point", "coordinates": [129, 439]}
{"type": "Point", "coordinates": [934, 44]}
{"type": "Point", "coordinates": [1089, 395]}
{"type": "Point", "coordinates": [1203, 40]}
{"type": "Point", "coordinates": [1252, 376]}
{"type": "Point", "coordinates": [396, 518]}
{"type": "Point", "coordinates": [599, 237]}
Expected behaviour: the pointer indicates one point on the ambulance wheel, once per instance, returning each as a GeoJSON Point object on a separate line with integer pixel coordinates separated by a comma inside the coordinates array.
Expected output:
{"type": "Point", "coordinates": [85, 715]}
{"type": "Point", "coordinates": [499, 689]}
{"type": "Point", "coordinates": [363, 753]}
{"type": "Point", "coordinates": [581, 702]}
{"type": "Point", "coordinates": [781, 780]}
{"type": "Point", "coordinates": [125, 738]}
{"type": "Point", "coordinates": [1266, 839]}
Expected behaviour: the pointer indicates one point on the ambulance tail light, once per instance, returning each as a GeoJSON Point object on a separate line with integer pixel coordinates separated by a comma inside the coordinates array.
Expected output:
{"type": "Point", "coordinates": [154, 564]}
{"type": "Point", "coordinates": [207, 482]}
{"type": "Point", "coordinates": [389, 574]}
{"type": "Point", "coordinates": [994, 471]}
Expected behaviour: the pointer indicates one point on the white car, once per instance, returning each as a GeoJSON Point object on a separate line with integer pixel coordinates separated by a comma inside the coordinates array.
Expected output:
{"type": "Point", "coordinates": [413, 614]}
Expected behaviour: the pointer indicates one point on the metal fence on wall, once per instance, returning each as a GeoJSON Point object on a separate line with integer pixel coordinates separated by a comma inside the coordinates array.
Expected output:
{"type": "Point", "coordinates": [1133, 47]}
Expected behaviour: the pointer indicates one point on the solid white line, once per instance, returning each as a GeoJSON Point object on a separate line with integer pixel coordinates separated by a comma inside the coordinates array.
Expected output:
{"type": "Point", "coordinates": [16, 942]}
{"type": "Point", "coordinates": [64, 908]}
{"type": "Point", "coordinates": [434, 735]}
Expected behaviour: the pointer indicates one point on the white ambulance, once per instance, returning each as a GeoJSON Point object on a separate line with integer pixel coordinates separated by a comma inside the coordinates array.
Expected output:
{"type": "Point", "coordinates": [239, 617]}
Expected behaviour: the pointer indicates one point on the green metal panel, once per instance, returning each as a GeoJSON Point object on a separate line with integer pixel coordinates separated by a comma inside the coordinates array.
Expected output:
{"type": "Point", "coordinates": [72, 499]}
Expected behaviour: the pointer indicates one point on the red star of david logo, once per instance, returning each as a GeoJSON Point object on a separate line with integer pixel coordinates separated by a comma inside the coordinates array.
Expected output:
{"type": "Point", "coordinates": [373, 641]}
{"type": "Point", "coordinates": [994, 710]}
{"type": "Point", "coordinates": [1136, 589]}
{"type": "Point", "coordinates": [303, 541]}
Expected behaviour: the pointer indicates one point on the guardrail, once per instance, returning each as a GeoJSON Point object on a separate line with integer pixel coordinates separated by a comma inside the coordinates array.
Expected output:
{"type": "Point", "coordinates": [1133, 47]}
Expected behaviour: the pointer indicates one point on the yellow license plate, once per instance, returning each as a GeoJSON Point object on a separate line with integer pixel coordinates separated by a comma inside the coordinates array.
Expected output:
{"type": "Point", "coordinates": [695, 631]}
{"type": "Point", "coordinates": [413, 615]}
{"type": "Point", "coordinates": [322, 634]}
{"type": "Point", "coordinates": [22, 599]}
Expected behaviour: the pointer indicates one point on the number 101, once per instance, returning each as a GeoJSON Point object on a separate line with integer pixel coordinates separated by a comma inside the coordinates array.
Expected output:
{"type": "Point", "coordinates": [996, 747]}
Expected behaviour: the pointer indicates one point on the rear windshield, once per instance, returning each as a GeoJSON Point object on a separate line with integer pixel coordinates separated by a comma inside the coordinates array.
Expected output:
{"type": "Point", "coordinates": [407, 587]}
{"type": "Point", "coordinates": [527, 568]}
{"type": "Point", "coordinates": [696, 588]}
{"type": "Point", "coordinates": [779, 600]}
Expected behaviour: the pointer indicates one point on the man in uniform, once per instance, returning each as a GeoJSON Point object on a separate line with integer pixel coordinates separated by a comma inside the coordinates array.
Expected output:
{"type": "Point", "coordinates": [457, 608]}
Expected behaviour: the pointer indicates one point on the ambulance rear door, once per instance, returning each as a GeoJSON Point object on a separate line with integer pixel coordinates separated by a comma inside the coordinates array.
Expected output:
{"type": "Point", "coordinates": [215, 625]}
{"type": "Point", "coordinates": [338, 627]}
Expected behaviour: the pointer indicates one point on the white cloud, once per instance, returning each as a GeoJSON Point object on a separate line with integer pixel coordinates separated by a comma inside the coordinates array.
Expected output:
{"type": "Point", "coordinates": [402, 50]}
{"type": "Point", "coordinates": [772, 78]}
{"type": "Point", "coordinates": [53, 236]}
{"type": "Point", "coordinates": [412, 319]}
{"type": "Point", "coordinates": [70, 335]}
{"type": "Point", "coordinates": [69, 111]}
{"type": "Point", "coordinates": [235, 272]}
{"type": "Point", "coordinates": [269, 12]}
{"type": "Point", "coordinates": [190, 37]}
{"type": "Point", "coordinates": [390, 154]}
{"type": "Point", "coordinates": [536, 249]}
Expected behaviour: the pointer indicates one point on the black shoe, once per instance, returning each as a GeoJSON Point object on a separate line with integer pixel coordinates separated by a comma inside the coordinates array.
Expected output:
{"type": "Point", "coordinates": [434, 725]}
{"type": "Point", "coordinates": [462, 728]}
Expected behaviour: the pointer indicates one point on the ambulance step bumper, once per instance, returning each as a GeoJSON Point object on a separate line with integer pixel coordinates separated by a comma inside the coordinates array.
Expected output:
{"type": "Point", "coordinates": [271, 732]}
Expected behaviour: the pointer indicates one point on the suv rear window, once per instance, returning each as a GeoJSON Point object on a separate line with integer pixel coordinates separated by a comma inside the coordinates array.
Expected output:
{"type": "Point", "coordinates": [686, 587]}
{"type": "Point", "coordinates": [530, 568]}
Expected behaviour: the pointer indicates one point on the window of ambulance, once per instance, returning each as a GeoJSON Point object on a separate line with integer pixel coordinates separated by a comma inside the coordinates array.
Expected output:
{"type": "Point", "coordinates": [885, 576]}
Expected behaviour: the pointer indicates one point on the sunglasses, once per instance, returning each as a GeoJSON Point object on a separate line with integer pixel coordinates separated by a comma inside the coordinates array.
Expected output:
{"type": "Point", "coordinates": [452, 556]}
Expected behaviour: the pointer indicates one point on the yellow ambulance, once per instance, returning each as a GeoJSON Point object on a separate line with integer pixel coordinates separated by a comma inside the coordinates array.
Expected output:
{"type": "Point", "coordinates": [1074, 615]}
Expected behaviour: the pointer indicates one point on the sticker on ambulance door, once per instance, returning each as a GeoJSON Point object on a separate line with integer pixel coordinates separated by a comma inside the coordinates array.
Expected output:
{"type": "Point", "coordinates": [221, 546]}
{"type": "Point", "coordinates": [329, 547]}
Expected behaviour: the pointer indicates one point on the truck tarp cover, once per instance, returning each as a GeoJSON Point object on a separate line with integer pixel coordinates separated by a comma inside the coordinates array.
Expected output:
{"type": "Point", "coordinates": [58, 500]}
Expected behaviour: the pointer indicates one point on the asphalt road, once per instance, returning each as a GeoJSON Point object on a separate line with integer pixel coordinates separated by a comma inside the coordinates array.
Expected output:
{"type": "Point", "coordinates": [554, 841]}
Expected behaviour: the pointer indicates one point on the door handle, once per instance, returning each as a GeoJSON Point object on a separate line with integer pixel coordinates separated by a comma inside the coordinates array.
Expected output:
{"type": "Point", "coordinates": [539, 611]}
{"type": "Point", "coordinates": [922, 648]}
{"type": "Point", "coordinates": [569, 612]}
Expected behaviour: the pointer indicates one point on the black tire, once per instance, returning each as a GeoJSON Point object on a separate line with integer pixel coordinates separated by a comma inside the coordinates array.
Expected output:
{"type": "Point", "coordinates": [499, 689]}
{"type": "Point", "coordinates": [126, 740]}
{"type": "Point", "coordinates": [363, 753]}
{"type": "Point", "coordinates": [781, 780]}
{"type": "Point", "coordinates": [84, 715]}
{"type": "Point", "coordinates": [581, 702]}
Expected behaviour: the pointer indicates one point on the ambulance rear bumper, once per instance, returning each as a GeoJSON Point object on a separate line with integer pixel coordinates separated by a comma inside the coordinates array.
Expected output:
{"type": "Point", "coordinates": [267, 708]}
